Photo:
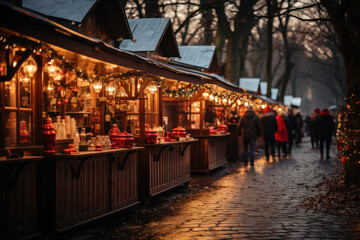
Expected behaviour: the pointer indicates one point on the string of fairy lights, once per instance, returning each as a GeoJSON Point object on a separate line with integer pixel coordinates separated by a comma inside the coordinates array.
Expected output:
{"type": "Point", "coordinates": [349, 131]}
{"type": "Point", "coordinates": [59, 62]}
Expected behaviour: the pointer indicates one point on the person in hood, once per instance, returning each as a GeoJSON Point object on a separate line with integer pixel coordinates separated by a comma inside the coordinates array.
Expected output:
{"type": "Point", "coordinates": [313, 128]}
{"type": "Point", "coordinates": [268, 129]}
{"type": "Point", "coordinates": [281, 136]}
{"type": "Point", "coordinates": [249, 129]}
{"type": "Point", "coordinates": [325, 128]}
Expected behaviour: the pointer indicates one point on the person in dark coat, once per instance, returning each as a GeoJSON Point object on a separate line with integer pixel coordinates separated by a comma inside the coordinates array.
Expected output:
{"type": "Point", "coordinates": [268, 129]}
{"type": "Point", "coordinates": [325, 128]}
{"type": "Point", "coordinates": [292, 127]}
{"type": "Point", "coordinates": [281, 136]}
{"type": "Point", "coordinates": [249, 129]}
{"type": "Point", "coordinates": [313, 128]}
{"type": "Point", "coordinates": [298, 129]}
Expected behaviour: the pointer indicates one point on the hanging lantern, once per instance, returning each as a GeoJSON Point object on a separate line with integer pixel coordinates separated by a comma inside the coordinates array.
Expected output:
{"type": "Point", "coordinates": [224, 100]}
{"type": "Point", "coordinates": [51, 68]}
{"type": "Point", "coordinates": [111, 89]}
{"type": "Point", "coordinates": [58, 76]}
{"type": "Point", "coordinates": [205, 94]}
{"type": "Point", "coordinates": [229, 101]}
{"type": "Point", "coordinates": [152, 89]}
{"type": "Point", "coordinates": [97, 86]}
{"type": "Point", "coordinates": [24, 79]}
{"type": "Point", "coordinates": [30, 67]}
{"type": "Point", "coordinates": [211, 97]}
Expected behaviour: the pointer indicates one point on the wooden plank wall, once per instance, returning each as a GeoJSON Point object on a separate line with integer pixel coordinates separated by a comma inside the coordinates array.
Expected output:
{"type": "Point", "coordinates": [18, 205]}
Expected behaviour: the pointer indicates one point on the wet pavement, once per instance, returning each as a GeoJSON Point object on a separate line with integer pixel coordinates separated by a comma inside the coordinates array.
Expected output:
{"type": "Point", "coordinates": [235, 202]}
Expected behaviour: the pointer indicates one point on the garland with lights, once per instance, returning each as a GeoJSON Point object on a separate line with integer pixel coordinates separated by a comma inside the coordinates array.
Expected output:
{"type": "Point", "coordinates": [11, 43]}
{"type": "Point", "coordinates": [348, 134]}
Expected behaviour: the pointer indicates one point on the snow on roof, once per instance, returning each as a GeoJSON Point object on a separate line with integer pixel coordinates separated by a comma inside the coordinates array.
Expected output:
{"type": "Point", "coordinates": [73, 10]}
{"type": "Point", "coordinates": [296, 101]}
{"type": "Point", "coordinates": [274, 93]}
{"type": "Point", "coordinates": [147, 32]}
{"type": "Point", "coordinates": [249, 84]}
{"type": "Point", "coordinates": [287, 100]}
{"type": "Point", "coordinates": [199, 56]}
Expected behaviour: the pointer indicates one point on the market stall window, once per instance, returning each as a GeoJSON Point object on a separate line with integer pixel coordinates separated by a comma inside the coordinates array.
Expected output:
{"type": "Point", "coordinates": [18, 106]}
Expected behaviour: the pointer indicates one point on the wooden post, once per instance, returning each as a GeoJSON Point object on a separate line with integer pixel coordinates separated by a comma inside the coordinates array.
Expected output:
{"type": "Point", "coordinates": [202, 117]}
{"type": "Point", "coordinates": [161, 105]}
{"type": "Point", "coordinates": [142, 117]}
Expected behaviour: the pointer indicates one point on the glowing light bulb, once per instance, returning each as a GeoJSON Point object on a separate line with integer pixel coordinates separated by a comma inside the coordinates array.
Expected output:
{"type": "Point", "coordinates": [30, 67]}
{"type": "Point", "coordinates": [238, 102]}
{"type": "Point", "coordinates": [97, 86]}
{"type": "Point", "coordinates": [111, 89]}
{"type": "Point", "coordinates": [211, 97]}
{"type": "Point", "coordinates": [246, 103]}
{"type": "Point", "coordinates": [263, 106]}
{"type": "Point", "coordinates": [224, 100]}
{"type": "Point", "coordinates": [205, 94]}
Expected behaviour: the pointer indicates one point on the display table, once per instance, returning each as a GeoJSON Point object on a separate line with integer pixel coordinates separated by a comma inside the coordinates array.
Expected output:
{"type": "Point", "coordinates": [164, 166]}
{"type": "Point", "coordinates": [211, 152]}
{"type": "Point", "coordinates": [19, 203]}
{"type": "Point", "coordinates": [91, 184]}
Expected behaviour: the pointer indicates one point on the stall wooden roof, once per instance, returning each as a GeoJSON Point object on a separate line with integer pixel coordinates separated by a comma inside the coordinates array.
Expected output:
{"type": "Point", "coordinates": [153, 35]}
{"type": "Point", "coordinates": [36, 27]}
{"type": "Point", "coordinates": [104, 19]}
{"type": "Point", "coordinates": [201, 57]}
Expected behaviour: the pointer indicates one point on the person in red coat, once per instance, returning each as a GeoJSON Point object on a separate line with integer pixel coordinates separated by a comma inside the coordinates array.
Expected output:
{"type": "Point", "coordinates": [281, 136]}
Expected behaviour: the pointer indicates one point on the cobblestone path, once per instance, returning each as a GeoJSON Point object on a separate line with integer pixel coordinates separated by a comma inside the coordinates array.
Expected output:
{"type": "Point", "coordinates": [235, 202]}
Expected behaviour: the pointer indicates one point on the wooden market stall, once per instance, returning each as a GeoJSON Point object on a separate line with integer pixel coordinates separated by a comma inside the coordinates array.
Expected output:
{"type": "Point", "coordinates": [50, 73]}
{"type": "Point", "coordinates": [207, 110]}
{"type": "Point", "coordinates": [166, 162]}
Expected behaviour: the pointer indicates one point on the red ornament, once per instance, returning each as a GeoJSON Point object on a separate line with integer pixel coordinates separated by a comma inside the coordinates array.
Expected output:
{"type": "Point", "coordinates": [358, 102]}
{"type": "Point", "coordinates": [66, 100]}
{"type": "Point", "coordinates": [49, 136]}
{"type": "Point", "coordinates": [58, 103]}
{"type": "Point", "coordinates": [126, 140]}
{"type": "Point", "coordinates": [150, 136]}
{"type": "Point", "coordinates": [179, 132]}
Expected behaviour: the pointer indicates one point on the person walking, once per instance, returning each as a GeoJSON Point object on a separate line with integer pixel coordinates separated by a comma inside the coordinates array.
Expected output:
{"type": "Point", "coordinates": [281, 136]}
{"type": "Point", "coordinates": [268, 129]}
{"type": "Point", "coordinates": [313, 128]}
{"type": "Point", "coordinates": [292, 127]}
{"type": "Point", "coordinates": [299, 127]}
{"type": "Point", "coordinates": [325, 128]}
{"type": "Point", "coordinates": [249, 129]}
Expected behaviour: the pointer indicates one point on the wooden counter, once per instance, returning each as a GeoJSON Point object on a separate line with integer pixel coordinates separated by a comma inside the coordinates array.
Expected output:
{"type": "Point", "coordinates": [211, 152]}
{"type": "Point", "coordinates": [164, 166]}
{"type": "Point", "coordinates": [91, 184]}
{"type": "Point", "coordinates": [19, 197]}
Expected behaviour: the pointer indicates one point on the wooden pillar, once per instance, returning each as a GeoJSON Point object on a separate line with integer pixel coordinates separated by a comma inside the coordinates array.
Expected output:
{"type": "Point", "coordinates": [142, 118]}
{"type": "Point", "coordinates": [38, 113]}
{"type": "Point", "coordinates": [202, 108]}
{"type": "Point", "coordinates": [161, 107]}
